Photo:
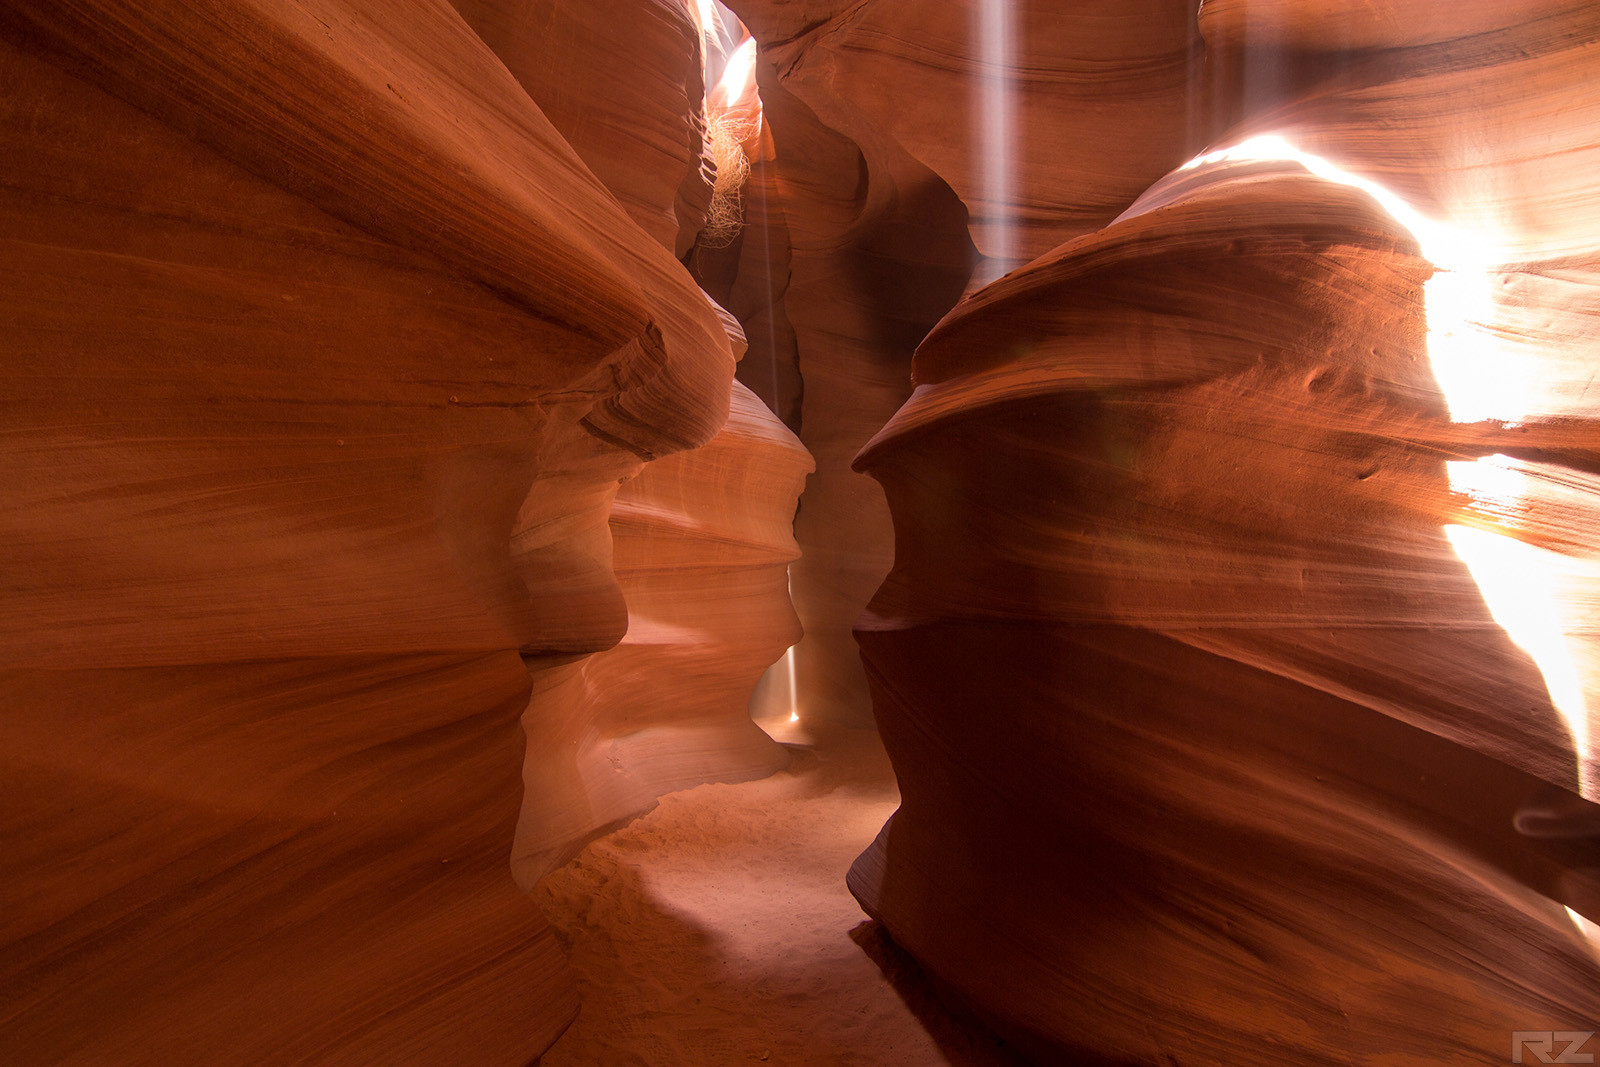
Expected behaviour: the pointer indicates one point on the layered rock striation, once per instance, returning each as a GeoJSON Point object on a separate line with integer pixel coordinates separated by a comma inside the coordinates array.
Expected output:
{"type": "Point", "coordinates": [918, 148]}
{"type": "Point", "coordinates": [382, 520]}
{"type": "Point", "coordinates": [347, 408]}
{"type": "Point", "coordinates": [1237, 657]}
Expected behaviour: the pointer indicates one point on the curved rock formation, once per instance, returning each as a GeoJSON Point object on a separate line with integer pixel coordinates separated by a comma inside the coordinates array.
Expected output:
{"type": "Point", "coordinates": [703, 541]}
{"type": "Point", "coordinates": [873, 264]}
{"type": "Point", "coordinates": [374, 461]}
{"type": "Point", "coordinates": [325, 356]}
{"type": "Point", "coordinates": [852, 251]}
{"type": "Point", "coordinates": [1096, 103]}
{"type": "Point", "coordinates": [1097, 100]}
{"type": "Point", "coordinates": [622, 83]}
{"type": "Point", "coordinates": [1225, 734]}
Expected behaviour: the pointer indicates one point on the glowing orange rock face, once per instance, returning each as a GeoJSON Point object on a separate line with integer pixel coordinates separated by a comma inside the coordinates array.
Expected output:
{"type": "Point", "coordinates": [325, 356]}
{"type": "Point", "coordinates": [1238, 659]}
{"type": "Point", "coordinates": [702, 543]}
{"type": "Point", "coordinates": [883, 194]}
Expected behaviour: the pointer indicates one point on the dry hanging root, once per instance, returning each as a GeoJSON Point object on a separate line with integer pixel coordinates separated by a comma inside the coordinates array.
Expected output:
{"type": "Point", "coordinates": [725, 216]}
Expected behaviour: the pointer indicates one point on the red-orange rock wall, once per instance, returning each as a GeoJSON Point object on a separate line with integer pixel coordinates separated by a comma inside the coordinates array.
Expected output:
{"type": "Point", "coordinates": [1223, 736]}
{"type": "Point", "coordinates": [325, 356]}
{"type": "Point", "coordinates": [883, 200]}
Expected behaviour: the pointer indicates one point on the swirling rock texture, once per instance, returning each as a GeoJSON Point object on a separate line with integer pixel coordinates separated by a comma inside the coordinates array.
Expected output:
{"type": "Point", "coordinates": [1103, 96]}
{"type": "Point", "coordinates": [876, 251]}
{"type": "Point", "coordinates": [325, 355]}
{"type": "Point", "coordinates": [852, 250]}
{"type": "Point", "coordinates": [622, 83]}
{"type": "Point", "coordinates": [702, 541]}
{"type": "Point", "coordinates": [373, 461]}
{"type": "Point", "coordinates": [883, 207]}
{"type": "Point", "coordinates": [1237, 657]}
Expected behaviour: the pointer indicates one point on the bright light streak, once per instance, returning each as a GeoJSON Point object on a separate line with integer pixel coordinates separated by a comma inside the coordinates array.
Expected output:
{"type": "Point", "coordinates": [1476, 377]}
{"type": "Point", "coordinates": [1495, 484]}
{"type": "Point", "coordinates": [1519, 583]}
{"type": "Point", "coordinates": [1586, 927]}
{"type": "Point", "coordinates": [996, 135]}
{"type": "Point", "coordinates": [778, 692]}
{"type": "Point", "coordinates": [788, 657]}
{"type": "Point", "coordinates": [738, 82]}
{"type": "Point", "coordinates": [1479, 380]}
{"type": "Point", "coordinates": [707, 12]}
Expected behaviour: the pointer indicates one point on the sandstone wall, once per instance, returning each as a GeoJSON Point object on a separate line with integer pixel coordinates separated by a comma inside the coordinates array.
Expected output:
{"type": "Point", "coordinates": [1238, 654]}
{"type": "Point", "coordinates": [345, 408]}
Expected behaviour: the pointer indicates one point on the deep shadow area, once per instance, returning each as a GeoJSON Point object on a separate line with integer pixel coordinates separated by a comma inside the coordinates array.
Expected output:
{"type": "Point", "coordinates": [961, 1037]}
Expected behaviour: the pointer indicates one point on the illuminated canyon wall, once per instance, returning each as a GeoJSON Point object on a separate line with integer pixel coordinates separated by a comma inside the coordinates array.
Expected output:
{"type": "Point", "coordinates": [888, 209]}
{"type": "Point", "coordinates": [382, 519]}
{"type": "Point", "coordinates": [1238, 654]}
{"type": "Point", "coordinates": [368, 452]}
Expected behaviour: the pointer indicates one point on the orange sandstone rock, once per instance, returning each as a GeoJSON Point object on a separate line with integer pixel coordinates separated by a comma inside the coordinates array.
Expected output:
{"type": "Point", "coordinates": [325, 355]}
{"type": "Point", "coordinates": [1223, 735]}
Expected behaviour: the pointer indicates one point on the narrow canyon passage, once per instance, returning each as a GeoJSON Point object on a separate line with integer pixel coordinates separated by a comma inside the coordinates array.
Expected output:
{"type": "Point", "coordinates": [1143, 456]}
{"type": "Point", "coordinates": [717, 929]}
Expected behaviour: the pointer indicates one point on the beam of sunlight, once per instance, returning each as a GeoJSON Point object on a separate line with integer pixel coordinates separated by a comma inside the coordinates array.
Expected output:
{"type": "Point", "coordinates": [737, 85]}
{"type": "Point", "coordinates": [794, 697]}
{"type": "Point", "coordinates": [1586, 927]}
{"type": "Point", "coordinates": [1477, 379]}
{"type": "Point", "coordinates": [1519, 583]}
{"type": "Point", "coordinates": [996, 135]}
{"type": "Point", "coordinates": [774, 701]}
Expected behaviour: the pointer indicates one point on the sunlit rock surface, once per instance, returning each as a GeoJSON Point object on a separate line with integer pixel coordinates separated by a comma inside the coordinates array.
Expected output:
{"type": "Point", "coordinates": [882, 202]}
{"type": "Point", "coordinates": [621, 81]}
{"type": "Point", "coordinates": [1239, 651]}
{"type": "Point", "coordinates": [1046, 125]}
{"type": "Point", "coordinates": [379, 525]}
{"type": "Point", "coordinates": [325, 355]}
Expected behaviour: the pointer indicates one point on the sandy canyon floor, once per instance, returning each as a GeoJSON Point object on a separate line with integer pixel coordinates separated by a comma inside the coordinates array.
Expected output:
{"type": "Point", "coordinates": [717, 930]}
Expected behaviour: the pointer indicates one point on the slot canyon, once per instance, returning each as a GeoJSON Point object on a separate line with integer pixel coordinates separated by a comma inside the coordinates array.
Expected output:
{"type": "Point", "coordinates": [822, 532]}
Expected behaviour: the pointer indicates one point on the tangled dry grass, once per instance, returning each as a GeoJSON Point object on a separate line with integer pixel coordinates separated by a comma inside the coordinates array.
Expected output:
{"type": "Point", "coordinates": [725, 218]}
